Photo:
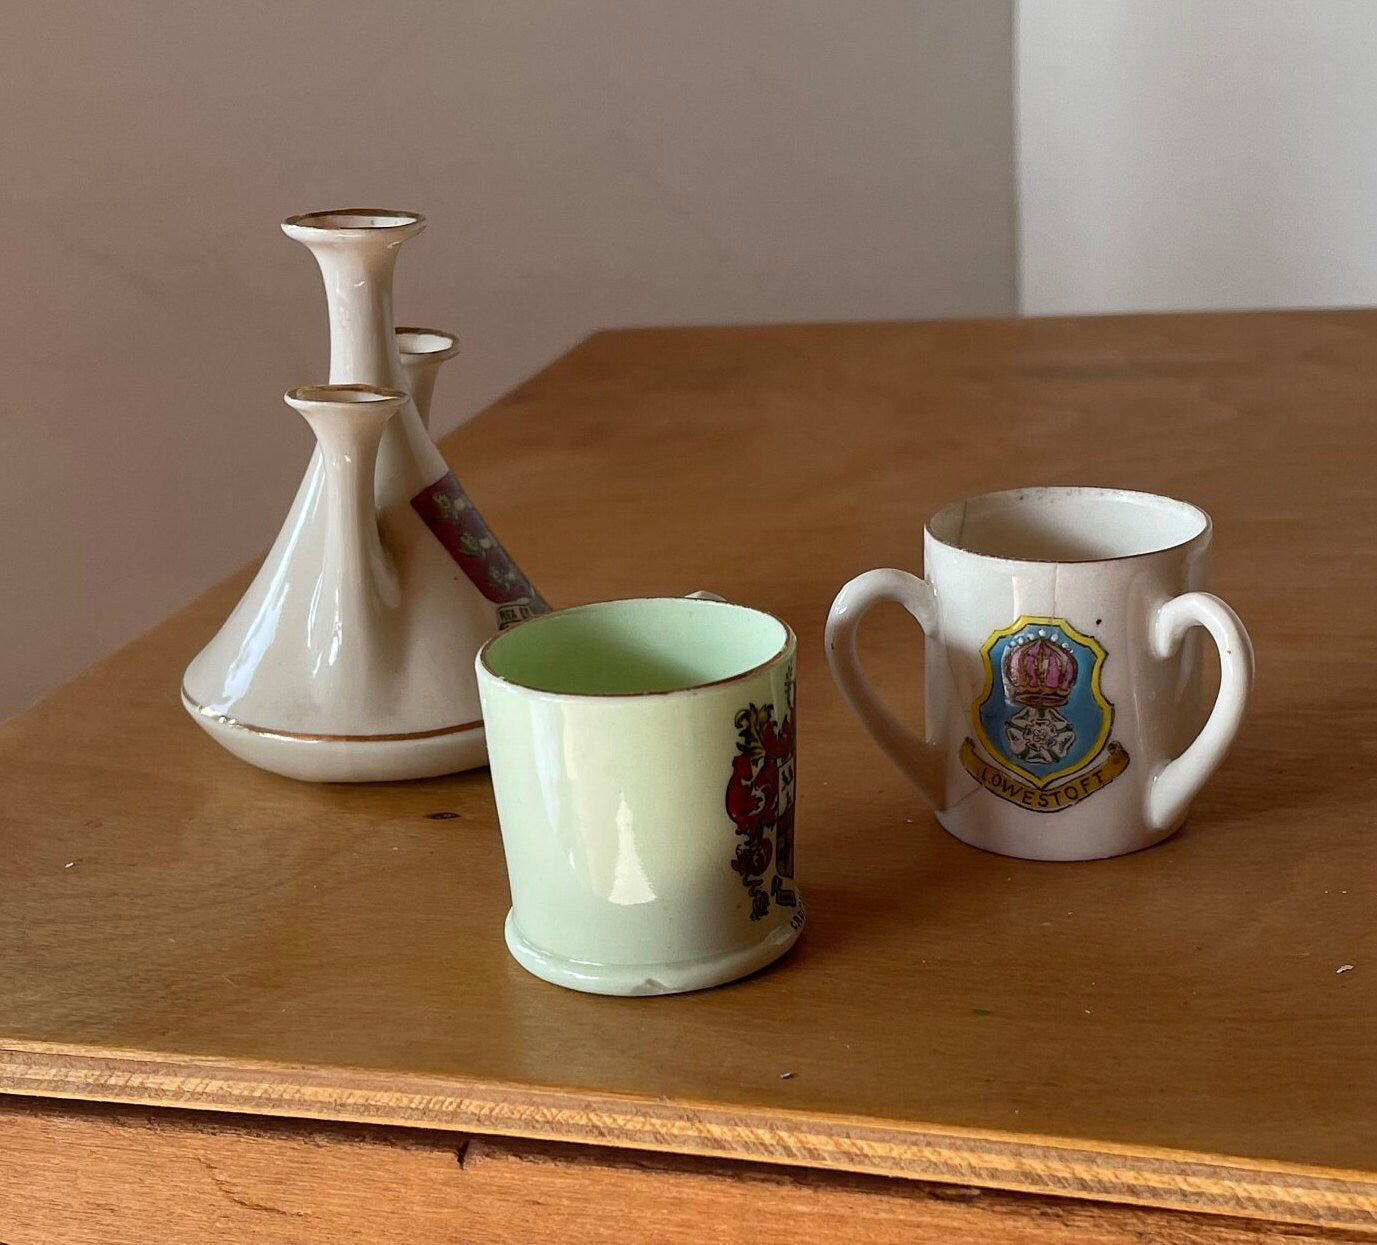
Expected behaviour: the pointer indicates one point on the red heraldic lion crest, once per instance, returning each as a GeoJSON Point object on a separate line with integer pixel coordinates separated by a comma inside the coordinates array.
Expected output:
{"type": "Point", "coordinates": [760, 802]}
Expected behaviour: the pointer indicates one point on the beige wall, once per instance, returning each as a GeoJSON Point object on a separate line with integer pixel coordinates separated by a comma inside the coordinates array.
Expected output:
{"type": "Point", "coordinates": [1182, 155]}
{"type": "Point", "coordinates": [584, 164]}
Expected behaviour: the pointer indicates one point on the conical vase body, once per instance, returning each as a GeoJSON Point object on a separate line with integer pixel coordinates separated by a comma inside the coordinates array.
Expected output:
{"type": "Point", "coordinates": [350, 657]}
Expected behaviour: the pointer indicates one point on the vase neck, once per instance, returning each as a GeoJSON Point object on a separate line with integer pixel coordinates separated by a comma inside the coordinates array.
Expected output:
{"type": "Point", "coordinates": [421, 352]}
{"type": "Point", "coordinates": [356, 250]}
{"type": "Point", "coordinates": [349, 421]}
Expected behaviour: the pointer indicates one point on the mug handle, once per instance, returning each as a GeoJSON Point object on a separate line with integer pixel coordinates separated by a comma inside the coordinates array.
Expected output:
{"type": "Point", "coordinates": [918, 760]}
{"type": "Point", "coordinates": [1178, 782]}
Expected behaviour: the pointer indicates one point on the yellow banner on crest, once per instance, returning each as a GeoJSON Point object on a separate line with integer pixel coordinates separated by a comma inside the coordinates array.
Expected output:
{"type": "Point", "coordinates": [1049, 799]}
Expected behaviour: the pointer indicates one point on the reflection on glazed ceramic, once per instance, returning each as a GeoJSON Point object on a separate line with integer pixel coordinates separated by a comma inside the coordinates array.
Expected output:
{"type": "Point", "coordinates": [630, 885]}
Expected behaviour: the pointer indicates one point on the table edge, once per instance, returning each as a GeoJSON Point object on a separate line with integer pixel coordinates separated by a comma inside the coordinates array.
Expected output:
{"type": "Point", "coordinates": [1024, 1163]}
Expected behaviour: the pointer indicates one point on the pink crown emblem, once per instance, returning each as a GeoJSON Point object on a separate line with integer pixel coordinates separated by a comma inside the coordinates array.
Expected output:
{"type": "Point", "coordinates": [1038, 671]}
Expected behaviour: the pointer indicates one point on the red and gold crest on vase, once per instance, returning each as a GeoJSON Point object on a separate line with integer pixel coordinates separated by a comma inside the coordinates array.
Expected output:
{"type": "Point", "coordinates": [445, 508]}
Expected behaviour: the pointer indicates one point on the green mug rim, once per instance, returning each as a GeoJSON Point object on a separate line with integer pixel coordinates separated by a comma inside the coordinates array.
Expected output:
{"type": "Point", "coordinates": [786, 650]}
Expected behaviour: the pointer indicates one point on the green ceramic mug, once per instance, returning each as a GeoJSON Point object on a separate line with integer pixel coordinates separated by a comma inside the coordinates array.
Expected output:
{"type": "Point", "coordinates": [642, 758]}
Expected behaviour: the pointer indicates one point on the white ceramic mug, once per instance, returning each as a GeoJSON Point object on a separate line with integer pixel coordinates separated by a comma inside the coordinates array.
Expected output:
{"type": "Point", "coordinates": [1063, 691]}
{"type": "Point", "coordinates": [642, 759]}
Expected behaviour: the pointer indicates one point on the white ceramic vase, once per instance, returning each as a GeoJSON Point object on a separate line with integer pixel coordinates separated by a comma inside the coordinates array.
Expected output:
{"type": "Point", "coordinates": [350, 657]}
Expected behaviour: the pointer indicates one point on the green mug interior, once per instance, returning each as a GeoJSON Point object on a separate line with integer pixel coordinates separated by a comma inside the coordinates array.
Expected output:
{"type": "Point", "coordinates": [627, 648]}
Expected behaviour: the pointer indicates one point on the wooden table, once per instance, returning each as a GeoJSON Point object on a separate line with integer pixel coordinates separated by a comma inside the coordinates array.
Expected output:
{"type": "Point", "coordinates": [286, 1010]}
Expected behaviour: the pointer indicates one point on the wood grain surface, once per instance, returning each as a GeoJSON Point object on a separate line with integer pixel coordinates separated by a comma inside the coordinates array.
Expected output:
{"type": "Point", "coordinates": [79, 1175]}
{"type": "Point", "coordinates": [1168, 1028]}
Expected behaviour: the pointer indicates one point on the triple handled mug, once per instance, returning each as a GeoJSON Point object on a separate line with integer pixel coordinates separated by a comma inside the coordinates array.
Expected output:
{"type": "Point", "coordinates": [642, 756]}
{"type": "Point", "coordinates": [1063, 684]}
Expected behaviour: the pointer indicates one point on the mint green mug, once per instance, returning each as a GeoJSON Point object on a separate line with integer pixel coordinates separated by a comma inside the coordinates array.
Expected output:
{"type": "Point", "coordinates": [642, 757]}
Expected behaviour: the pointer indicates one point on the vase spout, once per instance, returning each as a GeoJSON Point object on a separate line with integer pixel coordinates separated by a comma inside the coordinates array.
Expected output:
{"type": "Point", "coordinates": [421, 352]}
{"type": "Point", "coordinates": [358, 582]}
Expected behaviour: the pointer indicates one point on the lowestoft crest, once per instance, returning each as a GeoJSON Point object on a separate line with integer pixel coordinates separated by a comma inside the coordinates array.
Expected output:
{"type": "Point", "coordinates": [1042, 723]}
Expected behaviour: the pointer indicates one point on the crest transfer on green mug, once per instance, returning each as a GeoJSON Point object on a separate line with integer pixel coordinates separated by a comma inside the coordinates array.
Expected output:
{"type": "Point", "coordinates": [1042, 721]}
{"type": "Point", "coordinates": [760, 802]}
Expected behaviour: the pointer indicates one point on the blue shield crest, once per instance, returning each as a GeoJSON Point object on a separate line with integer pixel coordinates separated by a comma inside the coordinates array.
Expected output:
{"type": "Point", "coordinates": [1042, 714]}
